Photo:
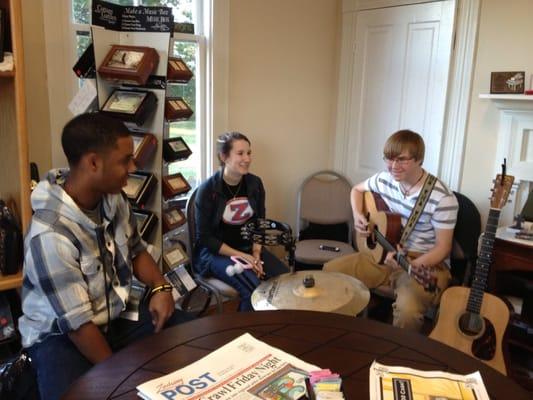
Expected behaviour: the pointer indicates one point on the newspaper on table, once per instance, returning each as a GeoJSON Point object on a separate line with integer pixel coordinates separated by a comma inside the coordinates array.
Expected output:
{"type": "Point", "coordinates": [404, 383]}
{"type": "Point", "coordinates": [245, 368]}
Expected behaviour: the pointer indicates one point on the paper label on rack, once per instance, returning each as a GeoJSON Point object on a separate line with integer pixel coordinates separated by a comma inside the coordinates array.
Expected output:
{"type": "Point", "coordinates": [85, 97]}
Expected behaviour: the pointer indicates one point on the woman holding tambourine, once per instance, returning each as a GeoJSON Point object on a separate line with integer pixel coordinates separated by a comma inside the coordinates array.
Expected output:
{"type": "Point", "coordinates": [224, 204]}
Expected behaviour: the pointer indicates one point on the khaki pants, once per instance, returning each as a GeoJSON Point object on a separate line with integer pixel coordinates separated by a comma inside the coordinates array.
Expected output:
{"type": "Point", "coordinates": [412, 301]}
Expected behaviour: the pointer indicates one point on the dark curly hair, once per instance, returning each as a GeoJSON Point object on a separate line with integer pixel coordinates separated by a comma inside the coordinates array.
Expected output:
{"type": "Point", "coordinates": [91, 132]}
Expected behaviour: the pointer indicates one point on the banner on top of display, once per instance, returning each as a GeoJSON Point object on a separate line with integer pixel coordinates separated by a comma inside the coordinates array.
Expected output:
{"type": "Point", "coordinates": [132, 19]}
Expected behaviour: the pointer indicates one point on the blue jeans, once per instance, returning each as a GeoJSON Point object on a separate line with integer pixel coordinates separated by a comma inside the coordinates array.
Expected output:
{"type": "Point", "coordinates": [57, 361]}
{"type": "Point", "coordinates": [244, 283]}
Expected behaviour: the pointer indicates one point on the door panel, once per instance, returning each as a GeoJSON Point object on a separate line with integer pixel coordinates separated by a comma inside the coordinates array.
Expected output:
{"type": "Point", "coordinates": [400, 76]}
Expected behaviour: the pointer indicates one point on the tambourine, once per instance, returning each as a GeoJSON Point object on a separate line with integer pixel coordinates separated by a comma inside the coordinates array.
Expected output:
{"type": "Point", "coordinates": [267, 232]}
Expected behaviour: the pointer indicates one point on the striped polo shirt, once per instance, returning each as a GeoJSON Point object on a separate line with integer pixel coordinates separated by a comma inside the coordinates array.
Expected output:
{"type": "Point", "coordinates": [440, 211]}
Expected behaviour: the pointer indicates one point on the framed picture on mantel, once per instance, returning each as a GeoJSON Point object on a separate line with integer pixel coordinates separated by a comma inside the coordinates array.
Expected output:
{"type": "Point", "coordinates": [511, 82]}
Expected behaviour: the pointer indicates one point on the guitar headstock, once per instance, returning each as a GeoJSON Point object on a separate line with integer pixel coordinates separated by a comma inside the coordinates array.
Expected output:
{"type": "Point", "coordinates": [500, 191]}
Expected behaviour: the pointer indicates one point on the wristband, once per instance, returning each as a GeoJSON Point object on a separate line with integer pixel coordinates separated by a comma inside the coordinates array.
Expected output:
{"type": "Point", "coordinates": [161, 288]}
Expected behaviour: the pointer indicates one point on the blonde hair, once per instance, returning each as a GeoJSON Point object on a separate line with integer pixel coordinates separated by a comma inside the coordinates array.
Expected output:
{"type": "Point", "coordinates": [405, 140]}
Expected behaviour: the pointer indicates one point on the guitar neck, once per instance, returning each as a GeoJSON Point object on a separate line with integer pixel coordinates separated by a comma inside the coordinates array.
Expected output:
{"type": "Point", "coordinates": [382, 240]}
{"type": "Point", "coordinates": [479, 282]}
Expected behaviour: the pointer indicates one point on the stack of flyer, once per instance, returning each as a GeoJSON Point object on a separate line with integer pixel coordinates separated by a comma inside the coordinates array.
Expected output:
{"type": "Point", "coordinates": [324, 385]}
{"type": "Point", "coordinates": [407, 383]}
{"type": "Point", "coordinates": [245, 368]}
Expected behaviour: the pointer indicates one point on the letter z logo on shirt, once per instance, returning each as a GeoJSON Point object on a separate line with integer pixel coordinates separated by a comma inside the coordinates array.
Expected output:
{"type": "Point", "coordinates": [237, 211]}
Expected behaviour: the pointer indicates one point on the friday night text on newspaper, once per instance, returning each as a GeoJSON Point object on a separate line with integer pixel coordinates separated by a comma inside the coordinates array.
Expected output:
{"type": "Point", "coordinates": [388, 382]}
{"type": "Point", "coordinates": [245, 368]}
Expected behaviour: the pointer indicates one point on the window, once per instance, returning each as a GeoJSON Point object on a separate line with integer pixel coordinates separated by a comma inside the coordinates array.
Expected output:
{"type": "Point", "coordinates": [190, 47]}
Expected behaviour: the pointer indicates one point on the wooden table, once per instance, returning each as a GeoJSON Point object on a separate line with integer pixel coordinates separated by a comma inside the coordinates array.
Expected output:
{"type": "Point", "coordinates": [344, 344]}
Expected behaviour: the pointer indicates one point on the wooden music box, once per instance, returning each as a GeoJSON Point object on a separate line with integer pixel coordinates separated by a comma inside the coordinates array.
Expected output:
{"type": "Point", "coordinates": [178, 71]}
{"type": "Point", "coordinates": [139, 188]}
{"type": "Point", "coordinates": [172, 218]}
{"type": "Point", "coordinates": [131, 106]}
{"type": "Point", "coordinates": [174, 184]}
{"type": "Point", "coordinates": [174, 256]}
{"type": "Point", "coordinates": [129, 64]}
{"type": "Point", "coordinates": [144, 146]}
{"type": "Point", "coordinates": [177, 109]}
{"type": "Point", "coordinates": [175, 149]}
{"type": "Point", "coordinates": [146, 222]}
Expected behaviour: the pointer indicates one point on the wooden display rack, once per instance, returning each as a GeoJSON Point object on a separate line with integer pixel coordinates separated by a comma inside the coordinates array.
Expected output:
{"type": "Point", "coordinates": [15, 171]}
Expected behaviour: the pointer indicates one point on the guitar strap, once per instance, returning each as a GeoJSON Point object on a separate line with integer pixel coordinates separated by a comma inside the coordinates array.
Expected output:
{"type": "Point", "coordinates": [423, 198]}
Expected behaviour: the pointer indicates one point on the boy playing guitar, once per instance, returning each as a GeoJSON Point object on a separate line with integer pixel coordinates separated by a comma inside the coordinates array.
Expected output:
{"type": "Point", "coordinates": [429, 230]}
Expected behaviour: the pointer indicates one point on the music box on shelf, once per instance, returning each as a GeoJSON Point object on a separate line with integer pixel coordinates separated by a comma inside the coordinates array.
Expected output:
{"type": "Point", "coordinates": [174, 184]}
{"type": "Point", "coordinates": [174, 256]}
{"type": "Point", "coordinates": [177, 109]}
{"type": "Point", "coordinates": [144, 146]}
{"type": "Point", "coordinates": [146, 222]}
{"type": "Point", "coordinates": [175, 149]}
{"type": "Point", "coordinates": [172, 218]}
{"type": "Point", "coordinates": [129, 64]}
{"type": "Point", "coordinates": [130, 106]}
{"type": "Point", "coordinates": [178, 71]}
{"type": "Point", "coordinates": [139, 187]}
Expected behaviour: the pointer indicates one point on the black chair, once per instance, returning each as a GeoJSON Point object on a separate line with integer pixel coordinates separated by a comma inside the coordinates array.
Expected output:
{"type": "Point", "coordinates": [465, 241]}
{"type": "Point", "coordinates": [462, 258]}
{"type": "Point", "coordinates": [220, 290]}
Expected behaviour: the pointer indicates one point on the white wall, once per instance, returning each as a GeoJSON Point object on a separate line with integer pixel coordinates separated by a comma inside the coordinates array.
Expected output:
{"type": "Point", "coordinates": [281, 84]}
{"type": "Point", "coordinates": [282, 90]}
{"type": "Point", "coordinates": [504, 43]}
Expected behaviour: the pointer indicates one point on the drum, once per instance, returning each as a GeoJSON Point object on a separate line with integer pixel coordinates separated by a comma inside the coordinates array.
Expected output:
{"type": "Point", "coordinates": [314, 291]}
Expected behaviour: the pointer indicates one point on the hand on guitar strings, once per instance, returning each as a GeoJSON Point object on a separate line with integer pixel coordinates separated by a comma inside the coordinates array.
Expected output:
{"type": "Point", "coordinates": [361, 224]}
{"type": "Point", "coordinates": [392, 258]}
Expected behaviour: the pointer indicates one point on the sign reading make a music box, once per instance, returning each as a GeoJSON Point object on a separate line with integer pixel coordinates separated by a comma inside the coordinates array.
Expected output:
{"type": "Point", "coordinates": [132, 19]}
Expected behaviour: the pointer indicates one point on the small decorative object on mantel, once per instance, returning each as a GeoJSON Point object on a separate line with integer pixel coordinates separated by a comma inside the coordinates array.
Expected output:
{"type": "Point", "coordinates": [177, 109]}
{"type": "Point", "coordinates": [174, 184]}
{"type": "Point", "coordinates": [131, 106]}
{"type": "Point", "coordinates": [139, 187]}
{"type": "Point", "coordinates": [144, 146]}
{"type": "Point", "coordinates": [172, 218]}
{"type": "Point", "coordinates": [530, 90]}
{"type": "Point", "coordinates": [178, 71]}
{"type": "Point", "coordinates": [146, 222]}
{"type": "Point", "coordinates": [129, 64]}
{"type": "Point", "coordinates": [511, 82]}
{"type": "Point", "coordinates": [175, 149]}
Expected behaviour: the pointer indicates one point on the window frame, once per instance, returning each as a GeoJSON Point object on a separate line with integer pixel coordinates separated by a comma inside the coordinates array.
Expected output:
{"type": "Point", "coordinates": [62, 54]}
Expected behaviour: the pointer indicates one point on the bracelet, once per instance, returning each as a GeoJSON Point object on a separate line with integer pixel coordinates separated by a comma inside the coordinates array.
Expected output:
{"type": "Point", "coordinates": [165, 287]}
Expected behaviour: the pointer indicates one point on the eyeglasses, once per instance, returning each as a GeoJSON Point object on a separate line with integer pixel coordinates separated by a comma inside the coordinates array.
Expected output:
{"type": "Point", "coordinates": [398, 160]}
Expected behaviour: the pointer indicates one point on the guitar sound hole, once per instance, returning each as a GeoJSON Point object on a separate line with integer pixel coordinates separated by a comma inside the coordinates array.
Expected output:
{"type": "Point", "coordinates": [371, 241]}
{"type": "Point", "coordinates": [471, 324]}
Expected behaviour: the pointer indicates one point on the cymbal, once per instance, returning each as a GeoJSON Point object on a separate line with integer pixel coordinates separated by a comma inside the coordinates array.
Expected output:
{"type": "Point", "coordinates": [312, 290]}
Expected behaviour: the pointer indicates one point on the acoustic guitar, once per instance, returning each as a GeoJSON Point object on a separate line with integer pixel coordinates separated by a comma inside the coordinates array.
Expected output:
{"type": "Point", "coordinates": [385, 228]}
{"type": "Point", "coordinates": [469, 319]}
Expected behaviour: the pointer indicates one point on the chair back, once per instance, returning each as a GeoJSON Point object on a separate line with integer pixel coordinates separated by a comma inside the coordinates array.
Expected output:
{"type": "Point", "coordinates": [191, 227]}
{"type": "Point", "coordinates": [324, 198]}
{"type": "Point", "coordinates": [465, 240]}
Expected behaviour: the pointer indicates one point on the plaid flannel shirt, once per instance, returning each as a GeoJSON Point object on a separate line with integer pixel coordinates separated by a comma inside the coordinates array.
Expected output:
{"type": "Point", "coordinates": [66, 254]}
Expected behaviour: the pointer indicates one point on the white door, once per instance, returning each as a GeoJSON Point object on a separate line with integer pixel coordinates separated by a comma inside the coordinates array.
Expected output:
{"type": "Point", "coordinates": [400, 76]}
